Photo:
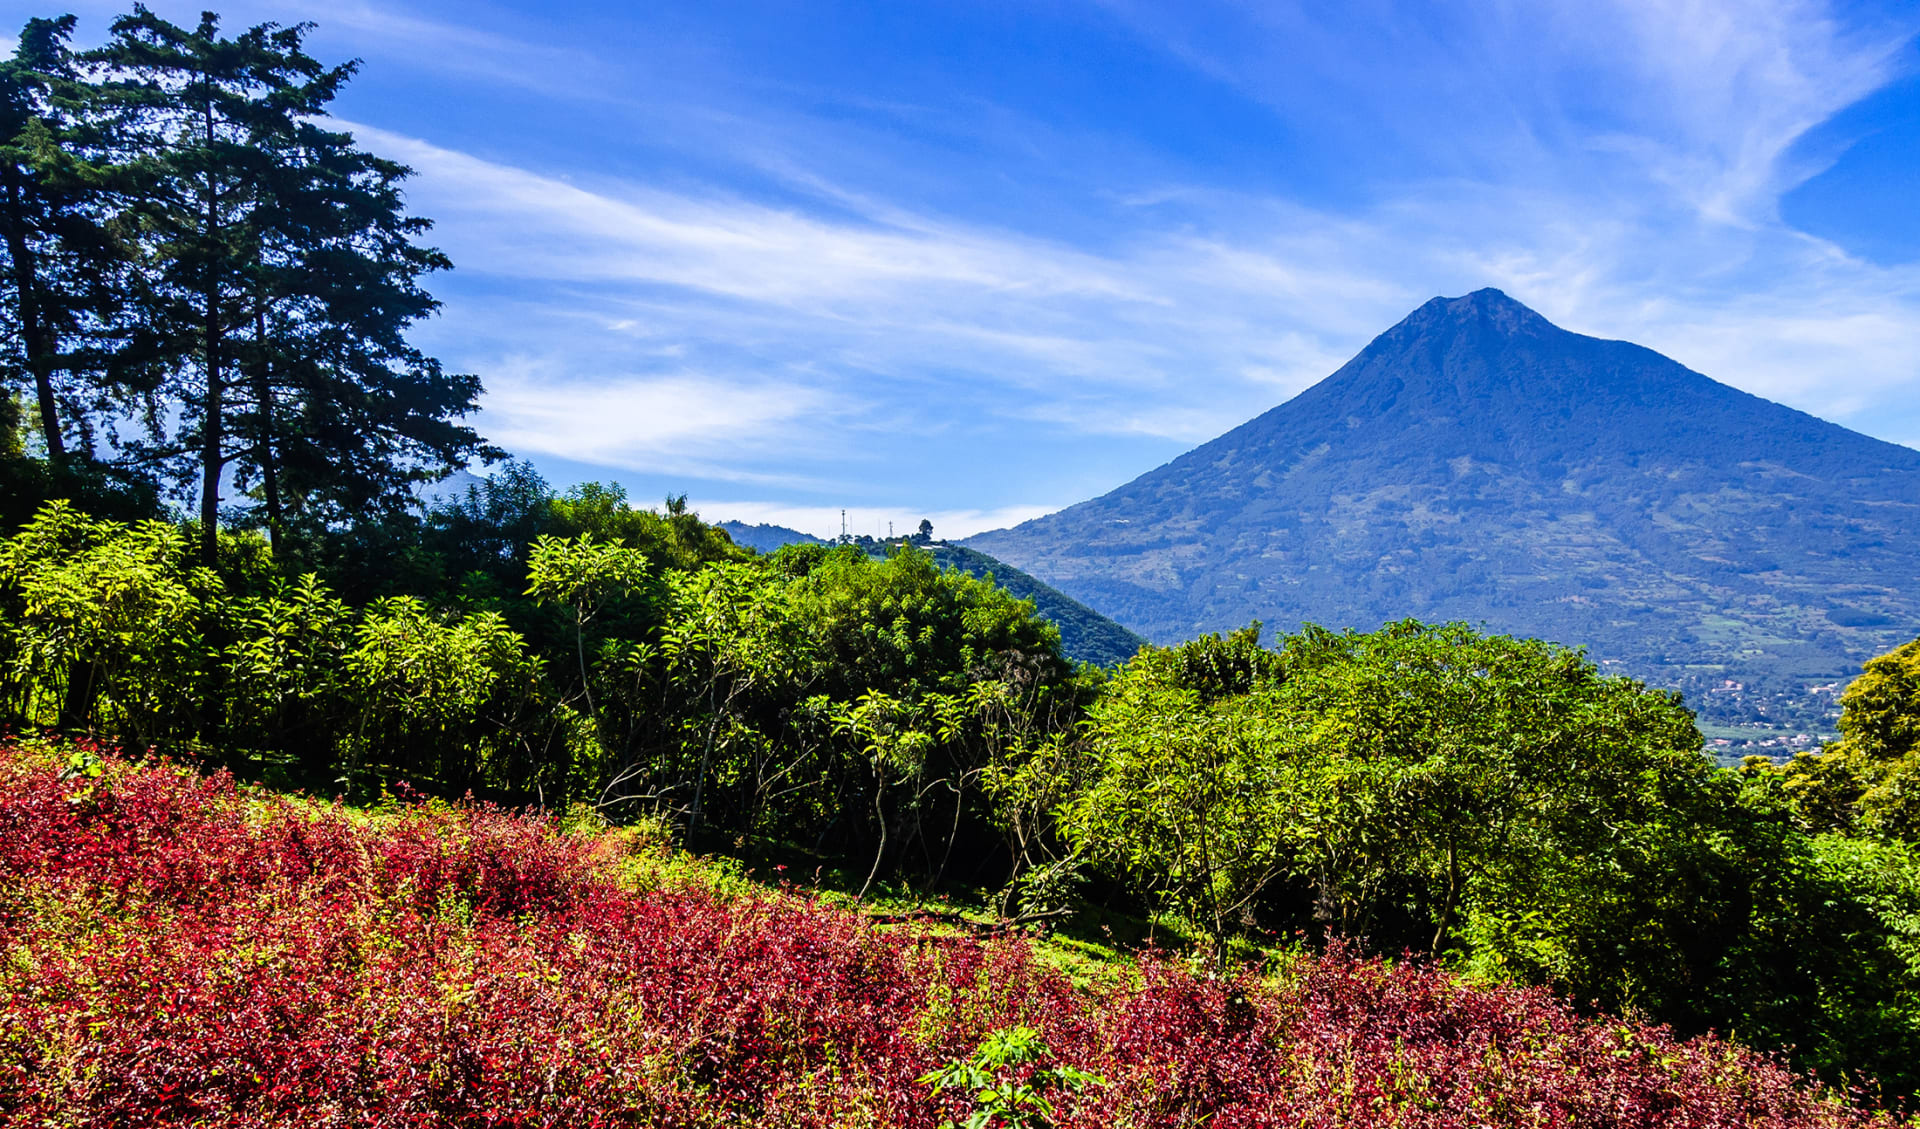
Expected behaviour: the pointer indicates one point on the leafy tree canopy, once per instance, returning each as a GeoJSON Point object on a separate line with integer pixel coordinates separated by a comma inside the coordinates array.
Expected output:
{"type": "Point", "coordinates": [1425, 786]}
{"type": "Point", "coordinates": [1869, 780]}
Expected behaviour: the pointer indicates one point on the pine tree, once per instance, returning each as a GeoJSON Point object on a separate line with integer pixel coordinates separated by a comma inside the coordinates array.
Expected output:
{"type": "Point", "coordinates": [282, 275]}
{"type": "Point", "coordinates": [67, 268]}
{"type": "Point", "coordinates": [342, 414]}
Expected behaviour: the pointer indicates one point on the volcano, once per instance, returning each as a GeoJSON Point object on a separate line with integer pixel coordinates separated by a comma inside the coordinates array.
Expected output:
{"type": "Point", "coordinates": [1478, 463]}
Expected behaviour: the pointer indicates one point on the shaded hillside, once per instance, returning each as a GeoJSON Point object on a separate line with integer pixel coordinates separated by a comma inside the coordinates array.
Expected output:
{"type": "Point", "coordinates": [1085, 634]}
{"type": "Point", "coordinates": [1478, 463]}
{"type": "Point", "coordinates": [765, 538]}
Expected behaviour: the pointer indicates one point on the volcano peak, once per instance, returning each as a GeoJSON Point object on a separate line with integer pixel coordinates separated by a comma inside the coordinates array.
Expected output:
{"type": "Point", "coordinates": [1486, 310]}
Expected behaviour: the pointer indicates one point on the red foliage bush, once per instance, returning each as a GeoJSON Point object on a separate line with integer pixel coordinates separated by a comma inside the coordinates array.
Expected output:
{"type": "Point", "coordinates": [177, 951]}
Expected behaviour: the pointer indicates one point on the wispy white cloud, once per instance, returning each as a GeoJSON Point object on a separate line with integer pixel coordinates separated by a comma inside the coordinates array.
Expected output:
{"type": "Point", "coordinates": [889, 296]}
{"type": "Point", "coordinates": [1726, 87]}
{"type": "Point", "coordinates": [1207, 327]}
{"type": "Point", "coordinates": [685, 422]}
{"type": "Point", "coordinates": [736, 249]}
{"type": "Point", "coordinates": [389, 30]}
{"type": "Point", "coordinates": [1697, 100]}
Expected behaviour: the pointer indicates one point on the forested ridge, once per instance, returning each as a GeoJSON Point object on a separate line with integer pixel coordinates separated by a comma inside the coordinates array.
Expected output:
{"type": "Point", "coordinates": [1085, 635]}
{"type": "Point", "coordinates": [212, 560]}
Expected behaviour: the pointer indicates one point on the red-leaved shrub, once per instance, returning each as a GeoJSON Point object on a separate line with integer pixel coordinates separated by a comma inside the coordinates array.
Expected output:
{"type": "Point", "coordinates": [175, 950]}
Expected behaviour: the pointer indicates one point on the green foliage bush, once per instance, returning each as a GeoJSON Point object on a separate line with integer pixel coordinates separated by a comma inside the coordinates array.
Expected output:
{"type": "Point", "coordinates": [1006, 1082]}
{"type": "Point", "coordinates": [1426, 787]}
{"type": "Point", "coordinates": [853, 705]}
{"type": "Point", "coordinates": [111, 629]}
{"type": "Point", "coordinates": [104, 617]}
{"type": "Point", "coordinates": [1501, 803]}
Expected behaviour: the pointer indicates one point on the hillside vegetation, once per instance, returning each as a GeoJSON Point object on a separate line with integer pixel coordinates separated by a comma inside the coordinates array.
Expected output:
{"type": "Point", "coordinates": [180, 951]}
{"type": "Point", "coordinates": [1499, 804]}
{"type": "Point", "coordinates": [1085, 635]}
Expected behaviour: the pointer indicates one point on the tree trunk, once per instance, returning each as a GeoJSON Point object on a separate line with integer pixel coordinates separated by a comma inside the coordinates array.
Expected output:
{"type": "Point", "coordinates": [212, 425]}
{"type": "Point", "coordinates": [33, 330]}
{"type": "Point", "coordinates": [76, 701]}
{"type": "Point", "coordinates": [879, 811]}
{"type": "Point", "coordinates": [1214, 911]}
{"type": "Point", "coordinates": [1453, 896]}
{"type": "Point", "coordinates": [263, 395]}
{"type": "Point", "coordinates": [212, 437]}
{"type": "Point", "coordinates": [959, 801]}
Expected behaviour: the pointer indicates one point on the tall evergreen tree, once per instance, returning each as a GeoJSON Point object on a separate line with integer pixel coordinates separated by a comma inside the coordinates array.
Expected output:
{"type": "Point", "coordinates": [282, 277]}
{"type": "Point", "coordinates": [67, 269]}
{"type": "Point", "coordinates": [341, 413]}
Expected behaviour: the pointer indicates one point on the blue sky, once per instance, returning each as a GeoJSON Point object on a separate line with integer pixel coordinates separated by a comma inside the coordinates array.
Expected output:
{"type": "Point", "coordinates": [980, 261]}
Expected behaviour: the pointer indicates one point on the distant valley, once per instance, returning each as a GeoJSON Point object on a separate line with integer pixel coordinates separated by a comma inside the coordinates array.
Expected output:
{"type": "Point", "coordinates": [1477, 463]}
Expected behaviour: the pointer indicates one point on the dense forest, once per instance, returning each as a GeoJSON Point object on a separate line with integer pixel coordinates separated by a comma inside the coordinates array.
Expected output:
{"type": "Point", "coordinates": [213, 553]}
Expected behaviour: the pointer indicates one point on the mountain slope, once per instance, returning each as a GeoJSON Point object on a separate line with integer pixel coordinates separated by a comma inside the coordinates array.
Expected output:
{"type": "Point", "coordinates": [765, 537]}
{"type": "Point", "coordinates": [1476, 462]}
{"type": "Point", "coordinates": [1085, 634]}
